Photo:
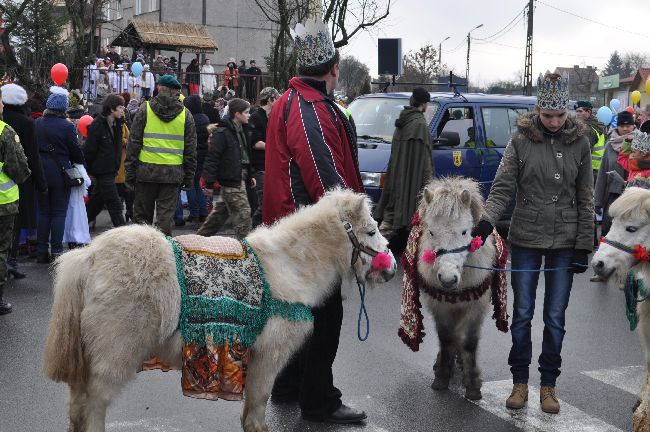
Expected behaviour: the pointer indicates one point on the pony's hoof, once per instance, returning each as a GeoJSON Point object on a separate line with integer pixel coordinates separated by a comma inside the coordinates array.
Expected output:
{"type": "Point", "coordinates": [473, 394]}
{"type": "Point", "coordinates": [636, 405]}
{"type": "Point", "coordinates": [440, 383]}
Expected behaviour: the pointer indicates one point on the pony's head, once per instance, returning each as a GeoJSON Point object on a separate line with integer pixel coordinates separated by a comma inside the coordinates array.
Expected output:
{"type": "Point", "coordinates": [448, 210]}
{"type": "Point", "coordinates": [367, 250]}
{"type": "Point", "coordinates": [630, 234]}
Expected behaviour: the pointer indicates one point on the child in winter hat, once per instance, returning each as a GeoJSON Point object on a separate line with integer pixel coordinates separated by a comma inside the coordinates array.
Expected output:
{"type": "Point", "coordinates": [58, 100]}
{"type": "Point", "coordinates": [629, 158]}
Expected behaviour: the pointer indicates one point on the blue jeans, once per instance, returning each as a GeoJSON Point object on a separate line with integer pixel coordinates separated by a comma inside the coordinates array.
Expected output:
{"type": "Point", "coordinates": [556, 299]}
{"type": "Point", "coordinates": [195, 198]}
{"type": "Point", "coordinates": [53, 207]}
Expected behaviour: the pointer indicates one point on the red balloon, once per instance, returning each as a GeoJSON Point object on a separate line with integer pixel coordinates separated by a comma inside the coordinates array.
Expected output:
{"type": "Point", "coordinates": [630, 110]}
{"type": "Point", "coordinates": [59, 73]}
{"type": "Point", "coordinates": [83, 123]}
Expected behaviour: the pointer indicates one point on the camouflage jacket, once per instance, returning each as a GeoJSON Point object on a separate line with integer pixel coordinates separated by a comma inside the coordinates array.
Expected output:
{"type": "Point", "coordinates": [15, 164]}
{"type": "Point", "coordinates": [167, 109]}
{"type": "Point", "coordinates": [554, 183]}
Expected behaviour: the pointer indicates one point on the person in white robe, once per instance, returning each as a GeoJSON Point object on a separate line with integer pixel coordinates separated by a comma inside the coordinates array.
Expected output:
{"type": "Point", "coordinates": [208, 78]}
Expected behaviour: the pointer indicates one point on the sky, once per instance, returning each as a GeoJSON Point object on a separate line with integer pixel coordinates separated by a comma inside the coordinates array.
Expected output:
{"type": "Point", "coordinates": [559, 38]}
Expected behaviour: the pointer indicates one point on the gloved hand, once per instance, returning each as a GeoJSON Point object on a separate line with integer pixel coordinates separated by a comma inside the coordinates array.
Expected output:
{"type": "Point", "coordinates": [483, 229]}
{"type": "Point", "coordinates": [579, 261]}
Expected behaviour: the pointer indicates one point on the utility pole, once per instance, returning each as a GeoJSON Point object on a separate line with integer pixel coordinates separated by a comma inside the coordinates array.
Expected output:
{"type": "Point", "coordinates": [528, 68]}
{"type": "Point", "coordinates": [440, 51]}
{"type": "Point", "coordinates": [469, 38]}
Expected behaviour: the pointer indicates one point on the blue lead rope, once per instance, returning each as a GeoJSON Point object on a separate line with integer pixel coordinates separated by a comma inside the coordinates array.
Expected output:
{"type": "Point", "coordinates": [510, 270]}
{"type": "Point", "coordinates": [362, 311]}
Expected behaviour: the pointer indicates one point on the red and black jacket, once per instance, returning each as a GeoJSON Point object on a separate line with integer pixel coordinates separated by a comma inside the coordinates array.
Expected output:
{"type": "Point", "coordinates": [311, 147]}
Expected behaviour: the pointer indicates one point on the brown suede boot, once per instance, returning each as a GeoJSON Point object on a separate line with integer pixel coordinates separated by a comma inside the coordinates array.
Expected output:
{"type": "Point", "coordinates": [549, 402]}
{"type": "Point", "coordinates": [518, 397]}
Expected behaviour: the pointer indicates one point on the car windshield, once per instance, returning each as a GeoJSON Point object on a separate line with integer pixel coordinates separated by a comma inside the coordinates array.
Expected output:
{"type": "Point", "coordinates": [375, 116]}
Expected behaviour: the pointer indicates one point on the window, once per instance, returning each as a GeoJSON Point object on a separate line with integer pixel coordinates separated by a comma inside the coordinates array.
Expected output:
{"type": "Point", "coordinates": [500, 123]}
{"type": "Point", "coordinates": [118, 9]}
{"type": "Point", "coordinates": [456, 128]}
{"type": "Point", "coordinates": [106, 12]}
{"type": "Point", "coordinates": [138, 7]}
{"type": "Point", "coordinates": [153, 5]}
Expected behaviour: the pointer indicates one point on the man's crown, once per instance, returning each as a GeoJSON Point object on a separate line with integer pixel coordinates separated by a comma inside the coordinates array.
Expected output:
{"type": "Point", "coordinates": [552, 92]}
{"type": "Point", "coordinates": [641, 142]}
{"type": "Point", "coordinates": [314, 44]}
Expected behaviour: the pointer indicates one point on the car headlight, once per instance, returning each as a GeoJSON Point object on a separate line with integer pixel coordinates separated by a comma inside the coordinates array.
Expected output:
{"type": "Point", "coordinates": [372, 179]}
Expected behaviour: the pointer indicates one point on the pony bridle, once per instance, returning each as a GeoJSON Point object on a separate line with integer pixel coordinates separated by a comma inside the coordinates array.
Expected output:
{"type": "Point", "coordinates": [357, 246]}
{"type": "Point", "coordinates": [639, 252]}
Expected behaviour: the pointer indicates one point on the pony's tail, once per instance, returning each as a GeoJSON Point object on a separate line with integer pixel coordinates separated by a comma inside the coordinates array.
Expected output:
{"type": "Point", "coordinates": [63, 358]}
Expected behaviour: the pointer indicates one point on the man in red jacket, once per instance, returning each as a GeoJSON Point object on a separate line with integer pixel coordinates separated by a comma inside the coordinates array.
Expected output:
{"type": "Point", "coordinates": [311, 147]}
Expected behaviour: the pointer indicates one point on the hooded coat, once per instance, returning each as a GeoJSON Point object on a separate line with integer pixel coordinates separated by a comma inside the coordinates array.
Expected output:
{"type": "Point", "coordinates": [166, 108]}
{"type": "Point", "coordinates": [553, 179]}
{"type": "Point", "coordinates": [410, 168]}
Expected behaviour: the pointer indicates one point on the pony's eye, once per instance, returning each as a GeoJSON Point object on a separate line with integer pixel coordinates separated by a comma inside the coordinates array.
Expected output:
{"type": "Point", "coordinates": [465, 232]}
{"type": "Point", "coordinates": [430, 233]}
{"type": "Point", "coordinates": [372, 233]}
{"type": "Point", "coordinates": [631, 229]}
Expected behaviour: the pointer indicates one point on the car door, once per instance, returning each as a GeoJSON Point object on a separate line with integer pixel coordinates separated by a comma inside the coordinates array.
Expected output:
{"type": "Point", "coordinates": [454, 141]}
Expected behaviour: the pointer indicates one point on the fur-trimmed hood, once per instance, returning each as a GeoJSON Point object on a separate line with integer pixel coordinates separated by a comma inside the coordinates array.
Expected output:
{"type": "Point", "coordinates": [530, 127]}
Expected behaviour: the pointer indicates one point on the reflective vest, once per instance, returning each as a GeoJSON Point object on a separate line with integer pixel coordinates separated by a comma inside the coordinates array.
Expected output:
{"type": "Point", "coordinates": [163, 142]}
{"type": "Point", "coordinates": [8, 188]}
{"type": "Point", "coordinates": [597, 151]}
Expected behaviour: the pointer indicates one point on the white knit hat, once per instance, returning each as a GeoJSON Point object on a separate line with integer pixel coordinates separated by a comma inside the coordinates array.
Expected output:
{"type": "Point", "coordinates": [13, 94]}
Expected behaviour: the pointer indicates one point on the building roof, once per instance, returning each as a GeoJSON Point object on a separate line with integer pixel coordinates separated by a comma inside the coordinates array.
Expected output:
{"type": "Point", "coordinates": [170, 36]}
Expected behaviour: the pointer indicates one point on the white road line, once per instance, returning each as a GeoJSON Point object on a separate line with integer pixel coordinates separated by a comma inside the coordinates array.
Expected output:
{"type": "Point", "coordinates": [532, 418]}
{"type": "Point", "coordinates": [629, 378]}
{"type": "Point", "coordinates": [148, 425]}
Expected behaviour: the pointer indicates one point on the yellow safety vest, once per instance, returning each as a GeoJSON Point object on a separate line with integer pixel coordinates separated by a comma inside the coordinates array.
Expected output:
{"type": "Point", "coordinates": [8, 188]}
{"type": "Point", "coordinates": [163, 142]}
{"type": "Point", "coordinates": [597, 151]}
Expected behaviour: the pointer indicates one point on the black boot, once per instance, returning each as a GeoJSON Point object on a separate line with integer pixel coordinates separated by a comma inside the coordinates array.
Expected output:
{"type": "Point", "coordinates": [12, 269]}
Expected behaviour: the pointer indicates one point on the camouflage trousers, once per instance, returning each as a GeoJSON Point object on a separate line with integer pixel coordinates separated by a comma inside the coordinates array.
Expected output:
{"type": "Point", "coordinates": [6, 236]}
{"type": "Point", "coordinates": [235, 204]}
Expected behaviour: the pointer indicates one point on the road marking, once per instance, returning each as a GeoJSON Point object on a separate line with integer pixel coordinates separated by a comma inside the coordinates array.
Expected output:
{"type": "Point", "coordinates": [532, 418]}
{"type": "Point", "coordinates": [148, 425]}
{"type": "Point", "coordinates": [627, 378]}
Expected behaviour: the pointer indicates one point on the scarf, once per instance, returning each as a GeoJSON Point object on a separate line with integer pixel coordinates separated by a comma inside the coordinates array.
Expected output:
{"type": "Point", "coordinates": [411, 329]}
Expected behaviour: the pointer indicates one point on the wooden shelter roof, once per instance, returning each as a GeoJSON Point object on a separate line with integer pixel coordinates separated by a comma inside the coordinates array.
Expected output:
{"type": "Point", "coordinates": [169, 36]}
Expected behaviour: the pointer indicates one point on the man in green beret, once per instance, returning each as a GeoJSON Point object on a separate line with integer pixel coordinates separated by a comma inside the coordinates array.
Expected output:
{"type": "Point", "coordinates": [584, 111]}
{"type": "Point", "coordinates": [160, 155]}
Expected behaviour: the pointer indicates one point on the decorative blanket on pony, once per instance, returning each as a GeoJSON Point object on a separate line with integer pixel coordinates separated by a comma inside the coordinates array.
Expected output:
{"type": "Point", "coordinates": [411, 329]}
{"type": "Point", "coordinates": [225, 303]}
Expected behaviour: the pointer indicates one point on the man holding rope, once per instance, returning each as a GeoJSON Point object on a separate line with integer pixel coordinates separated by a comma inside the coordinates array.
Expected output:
{"type": "Point", "coordinates": [548, 161]}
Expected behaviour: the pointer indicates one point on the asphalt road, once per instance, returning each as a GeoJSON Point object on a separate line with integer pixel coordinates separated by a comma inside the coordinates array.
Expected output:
{"type": "Point", "coordinates": [602, 369]}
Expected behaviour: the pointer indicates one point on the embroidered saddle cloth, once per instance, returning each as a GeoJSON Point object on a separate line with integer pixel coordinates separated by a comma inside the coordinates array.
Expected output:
{"type": "Point", "coordinates": [225, 303]}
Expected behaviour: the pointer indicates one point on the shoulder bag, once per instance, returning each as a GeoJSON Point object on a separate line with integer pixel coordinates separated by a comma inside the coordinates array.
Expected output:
{"type": "Point", "coordinates": [71, 176]}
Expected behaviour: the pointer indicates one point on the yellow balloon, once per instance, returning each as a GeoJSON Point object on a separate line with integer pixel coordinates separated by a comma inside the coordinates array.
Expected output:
{"type": "Point", "coordinates": [647, 86]}
{"type": "Point", "coordinates": [636, 96]}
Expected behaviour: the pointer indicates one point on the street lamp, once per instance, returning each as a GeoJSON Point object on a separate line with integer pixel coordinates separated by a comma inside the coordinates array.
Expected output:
{"type": "Point", "coordinates": [440, 50]}
{"type": "Point", "coordinates": [468, 42]}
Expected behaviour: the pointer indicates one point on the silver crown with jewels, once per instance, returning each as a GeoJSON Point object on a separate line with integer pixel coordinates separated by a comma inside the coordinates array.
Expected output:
{"type": "Point", "coordinates": [641, 142]}
{"type": "Point", "coordinates": [552, 92]}
{"type": "Point", "coordinates": [314, 44]}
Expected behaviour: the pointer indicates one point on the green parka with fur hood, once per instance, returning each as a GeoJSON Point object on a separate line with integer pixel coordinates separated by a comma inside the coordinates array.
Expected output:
{"type": "Point", "coordinates": [554, 182]}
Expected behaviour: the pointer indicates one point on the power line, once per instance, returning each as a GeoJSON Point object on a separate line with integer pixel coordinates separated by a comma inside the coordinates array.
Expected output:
{"type": "Point", "coordinates": [511, 24]}
{"type": "Point", "coordinates": [591, 20]}
{"type": "Point", "coordinates": [543, 52]}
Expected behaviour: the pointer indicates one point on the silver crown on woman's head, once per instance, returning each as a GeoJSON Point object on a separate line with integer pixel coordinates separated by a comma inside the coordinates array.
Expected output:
{"type": "Point", "coordinates": [313, 43]}
{"type": "Point", "coordinates": [641, 142]}
{"type": "Point", "coordinates": [552, 92]}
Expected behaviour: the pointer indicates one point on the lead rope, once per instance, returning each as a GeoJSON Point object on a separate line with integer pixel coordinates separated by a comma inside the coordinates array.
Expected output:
{"type": "Point", "coordinates": [510, 270]}
{"type": "Point", "coordinates": [362, 310]}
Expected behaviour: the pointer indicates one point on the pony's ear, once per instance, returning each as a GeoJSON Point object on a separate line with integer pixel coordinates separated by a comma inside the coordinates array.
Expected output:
{"type": "Point", "coordinates": [466, 198]}
{"type": "Point", "coordinates": [428, 195]}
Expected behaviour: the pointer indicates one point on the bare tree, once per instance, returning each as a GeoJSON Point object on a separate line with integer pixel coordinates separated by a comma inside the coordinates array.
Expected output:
{"type": "Point", "coordinates": [635, 60]}
{"type": "Point", "coordinates": [11, 11]}
{"type": "Point", "coordinates": [354, 76]}
{"type": "Point", "coordinates": [346, 18]}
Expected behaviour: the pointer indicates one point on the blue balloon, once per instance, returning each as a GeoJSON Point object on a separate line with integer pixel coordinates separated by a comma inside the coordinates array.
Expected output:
{"type": "Point", "coordinates": [136, 69]}
{"type": "Point", "coordinates": [615, 105]}
{"type": "Point", "coordinates": [604, 115]}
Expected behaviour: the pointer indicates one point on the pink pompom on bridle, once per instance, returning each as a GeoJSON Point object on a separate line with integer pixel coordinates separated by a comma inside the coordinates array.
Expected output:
{"type": "Point", "coordinates": [429, 256]}
{"type": "Point", "coordinates": [476, 243]}
{"type": "Point", "coordinates": [381, 261]}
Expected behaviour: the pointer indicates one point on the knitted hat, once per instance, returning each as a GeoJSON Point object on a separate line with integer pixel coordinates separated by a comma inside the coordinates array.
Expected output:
{"type": "Point", "coordinates": [583, 104]}
{"type": "Point", "coordinates": [13, 94]}
{"type": "Point", "coordinates": [313, 43]}
{"type": "Point", "coordinates": [552, 92]}
{"type": "Point", "coordinates": [58, 100]}
{"type": "Point", "coordinates": [269, 92]}
{"type": "Point", "coordinates": [421, 96]}
{"type": "Point", "coordinates": [624, 118]}
{"type": "Point", "coordinates": [641, 142]}
{"type": "Point", "coordinates": [169, 81]}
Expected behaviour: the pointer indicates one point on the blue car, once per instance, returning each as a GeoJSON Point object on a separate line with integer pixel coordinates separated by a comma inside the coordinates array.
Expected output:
{"type": "Point", "coordinates": [469, 133]}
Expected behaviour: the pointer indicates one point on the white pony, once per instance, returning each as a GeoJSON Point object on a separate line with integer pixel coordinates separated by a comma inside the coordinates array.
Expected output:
{"type": "Point", "coordinates": [458, 297]}
{"type": "Point", "coordinates": [117, 302]}
{"type": "Point", "coordinates": [622, 251]}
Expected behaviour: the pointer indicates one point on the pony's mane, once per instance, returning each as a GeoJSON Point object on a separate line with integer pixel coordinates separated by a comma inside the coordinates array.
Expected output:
{"type": "Point", "coordinates": [634, 203]}
{"type": "Point", "coordinates": [447, 198]}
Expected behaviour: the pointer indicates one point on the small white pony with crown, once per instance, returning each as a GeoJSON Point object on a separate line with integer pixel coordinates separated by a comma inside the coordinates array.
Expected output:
{"type": "Point", "coordinates": [134, 294]}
